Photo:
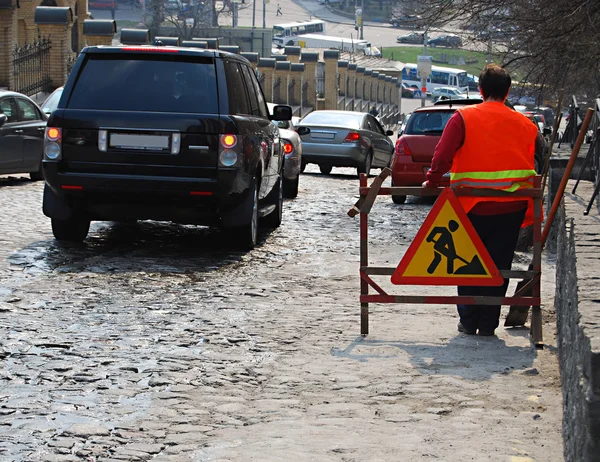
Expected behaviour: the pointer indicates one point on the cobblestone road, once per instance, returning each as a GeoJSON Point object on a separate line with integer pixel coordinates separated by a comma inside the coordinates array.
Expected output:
{"type": "Point", "coordinates": [157, 342]}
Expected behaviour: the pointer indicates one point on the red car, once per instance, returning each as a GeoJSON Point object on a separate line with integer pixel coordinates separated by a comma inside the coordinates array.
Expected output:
{"type": "Point", "coordinates": [415, 147]}
{"type": "Point", "coordinates": [103, 4]}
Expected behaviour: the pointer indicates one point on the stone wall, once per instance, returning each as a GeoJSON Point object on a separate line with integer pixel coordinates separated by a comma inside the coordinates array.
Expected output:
{"type": "Point", "coordinates": [577, 303]}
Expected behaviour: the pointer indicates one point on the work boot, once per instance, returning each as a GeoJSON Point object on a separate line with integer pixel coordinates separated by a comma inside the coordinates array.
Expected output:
{"type": "Point", "coordinates": [464, 330]}
{"type": "Point", "coordinates": [486, 333]}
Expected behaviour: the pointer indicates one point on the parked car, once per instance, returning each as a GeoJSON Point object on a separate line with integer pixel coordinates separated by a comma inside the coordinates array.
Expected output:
{"type": "Point", "coordinates": [446, 40]}
{"type": "Point", "coordinates": [412, 37]}
{"type": "Point", "coordinates": [408, 20]}
{"type": "Point", "coordinates": [292, 148]}
{"type": "Point", "coordinates": [202, 150]}
{"type": "Point", "coordinates": [22, 125]}
{"type": "Point", "coordinates": [416, 145]}
{"type": "Point", "coordinates": [345, 139]}
{"type": "Point", "coordinates": [103, 4]}
{"type": "Point", "coordinates": [447, 92]}
{"type": "Point", "coordinates": [51, 102]}
{"type": "Point", "coordinates": [410, 92]}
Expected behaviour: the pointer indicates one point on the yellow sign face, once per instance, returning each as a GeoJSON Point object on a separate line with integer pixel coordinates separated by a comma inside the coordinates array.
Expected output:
{"type": "Point", "coordinates": [447, 250]}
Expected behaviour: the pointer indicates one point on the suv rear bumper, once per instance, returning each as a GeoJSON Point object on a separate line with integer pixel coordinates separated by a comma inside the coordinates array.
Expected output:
{"type": "Point", "coordinates": [114, 197]}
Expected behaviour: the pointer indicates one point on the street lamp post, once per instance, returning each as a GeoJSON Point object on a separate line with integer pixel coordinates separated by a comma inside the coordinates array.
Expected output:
{"type": "Point", "coordinates": [362, 7]}
{"type": "Point", "coordinates": [424, 78]}
{"type": "Point", "coordinates": [264, 14]}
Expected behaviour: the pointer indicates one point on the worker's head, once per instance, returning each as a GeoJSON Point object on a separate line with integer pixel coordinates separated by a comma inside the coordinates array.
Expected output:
{"type": "Point", "coordinates": [494, 82]}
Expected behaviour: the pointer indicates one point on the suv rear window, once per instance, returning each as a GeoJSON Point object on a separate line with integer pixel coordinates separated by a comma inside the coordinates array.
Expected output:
{"type": "Point", "coordinates": [146, 83]}
{"type": "Point", "coordinates": [428, 123]}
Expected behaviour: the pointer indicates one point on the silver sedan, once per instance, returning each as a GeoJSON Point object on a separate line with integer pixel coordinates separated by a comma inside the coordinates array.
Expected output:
{"type": "Point", "coordinates": [345, 139]}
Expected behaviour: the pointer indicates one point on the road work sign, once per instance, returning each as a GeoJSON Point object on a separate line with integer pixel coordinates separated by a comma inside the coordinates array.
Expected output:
{"type": "Point", "coordinates": [447, 250]}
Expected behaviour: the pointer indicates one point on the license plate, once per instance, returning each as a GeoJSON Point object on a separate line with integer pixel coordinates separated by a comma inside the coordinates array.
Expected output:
{"type": "Point", "coordinates": [322, 136]}
{"type": "Point", "coordinates": [141, 142]}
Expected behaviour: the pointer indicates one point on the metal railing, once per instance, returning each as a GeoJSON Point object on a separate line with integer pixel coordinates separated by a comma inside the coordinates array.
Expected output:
{"type": "Point", "coordinates": [31, 67]}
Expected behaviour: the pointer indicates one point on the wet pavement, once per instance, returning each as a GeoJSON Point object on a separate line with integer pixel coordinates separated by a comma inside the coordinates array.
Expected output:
{"type": "Point", "coordinates": [156, 341]}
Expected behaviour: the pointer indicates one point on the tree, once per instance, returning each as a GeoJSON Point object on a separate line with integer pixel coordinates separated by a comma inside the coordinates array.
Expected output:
{"type": "Point", "coordinates": [186, 16]}
{"type": "Point", "coordinates": [550, 43]}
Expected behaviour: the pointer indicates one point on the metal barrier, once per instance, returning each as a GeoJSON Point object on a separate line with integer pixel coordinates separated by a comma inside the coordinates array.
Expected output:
{"type": "Point", "coordinates": [32, 67]}
{"type": "Point", "coordinates": [368, 194]}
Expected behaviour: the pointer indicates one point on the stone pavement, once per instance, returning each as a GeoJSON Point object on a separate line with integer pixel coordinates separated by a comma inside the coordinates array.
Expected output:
{"type": "Point", "coordinates": [157, 342]}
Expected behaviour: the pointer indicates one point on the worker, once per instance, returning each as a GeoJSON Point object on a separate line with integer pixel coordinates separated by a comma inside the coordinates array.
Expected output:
{"type": "Point", "coordinates": [488, 145]}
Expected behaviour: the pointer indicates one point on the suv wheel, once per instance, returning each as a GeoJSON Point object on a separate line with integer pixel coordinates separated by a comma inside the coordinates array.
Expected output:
{"type": "Point", "coordinates": [247, 235]}
{"type": "Point", "coordinates": [74, 229]}
{"type": "Point", "coordinates": [273, 219]}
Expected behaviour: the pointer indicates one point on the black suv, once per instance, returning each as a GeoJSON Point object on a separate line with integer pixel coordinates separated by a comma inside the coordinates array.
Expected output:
{"type": "Point", "coordinates": [163, 133]}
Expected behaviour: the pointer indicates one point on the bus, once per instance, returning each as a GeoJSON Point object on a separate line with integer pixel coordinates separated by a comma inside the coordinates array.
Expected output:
{"type": "Point", "coordinates": [287, 34]}
{"type": "Point", "coordinates": [338, 43]}
{"type": "Point", "coordinates": [440, 77]}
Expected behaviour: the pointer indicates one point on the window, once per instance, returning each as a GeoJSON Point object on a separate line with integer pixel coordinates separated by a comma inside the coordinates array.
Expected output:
{"type": "Point", "coordinates": [319, 27]}
{"type": "Point", "coordinates": [166, 83]}
{"type": "Point", "coordinates": [254, 108]}
{"type": "Point", "coordinates": [7, 106]}
{"type": "Point", "coordinates": [262, 104]}
{"type": "Point", "coordinates": [27, 110]}
{"type": "Point", "coordinates": [380, 129]}
{"type": "Point", "coordinates": [428, 122]}
{"type": "Point", "coordinates": [236, 89]}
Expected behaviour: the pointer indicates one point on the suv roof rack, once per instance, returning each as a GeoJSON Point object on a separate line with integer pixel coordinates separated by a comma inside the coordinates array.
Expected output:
{"type": "Point", "coordinates": [461, 102]}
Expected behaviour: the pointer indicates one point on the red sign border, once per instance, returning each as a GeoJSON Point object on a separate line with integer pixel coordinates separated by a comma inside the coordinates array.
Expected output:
{"type": "Point", "coordinates": [447, 195]}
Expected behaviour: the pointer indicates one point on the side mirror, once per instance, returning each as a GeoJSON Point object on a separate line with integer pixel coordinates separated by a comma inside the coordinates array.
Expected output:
{"type": "Point", "coordinates": [303, 131]}
{"type": "Point", "coordinates": [282, 112]}
{"type": "Point", "coordinates": [3, 119]}
{"type": "Point", "coordinates": [389, 133]}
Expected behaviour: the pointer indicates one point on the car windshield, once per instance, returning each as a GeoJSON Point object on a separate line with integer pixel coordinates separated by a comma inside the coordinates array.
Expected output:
{"type": "Point", "coordinates": [166, 83]}
{"type": "Point", "coordinates": [336, 119]}
{"type": "Point", "coordinates": [428, 122]}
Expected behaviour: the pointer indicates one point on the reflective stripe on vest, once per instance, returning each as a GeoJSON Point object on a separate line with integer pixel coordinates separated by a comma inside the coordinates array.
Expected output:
{"type": "Point", "coordinates": [505, 180]}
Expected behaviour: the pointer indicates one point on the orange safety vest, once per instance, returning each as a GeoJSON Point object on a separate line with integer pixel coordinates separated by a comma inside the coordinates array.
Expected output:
{"type": "Point", "coordinates": [497, 153]}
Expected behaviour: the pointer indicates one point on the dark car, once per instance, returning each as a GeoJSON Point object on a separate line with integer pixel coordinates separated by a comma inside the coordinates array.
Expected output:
{"type": "Point", "coordinates": [22, 126]}
{"type": "Point", "coordinates": [448, 40]}
{"type": "Point", "coordinates": [345, 139]}
{"type": "Point", "coordinates": [408, 20]}
{"type": "Point", "coordinates": [163, 133]}
{"type": "Point", "coordinates": [413, 37]}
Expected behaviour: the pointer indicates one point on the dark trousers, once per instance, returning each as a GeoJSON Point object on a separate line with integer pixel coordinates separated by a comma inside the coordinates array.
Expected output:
{"type": "Point", "coordinates": [499, 234]}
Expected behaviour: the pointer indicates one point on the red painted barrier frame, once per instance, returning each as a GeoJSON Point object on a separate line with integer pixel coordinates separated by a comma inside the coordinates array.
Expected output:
{"type": "Point", "coordinates": [368, 194]}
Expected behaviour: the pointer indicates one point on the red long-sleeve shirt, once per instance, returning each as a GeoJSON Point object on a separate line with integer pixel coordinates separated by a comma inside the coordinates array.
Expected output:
{"type": "Point", "coordinates": [452, 139]}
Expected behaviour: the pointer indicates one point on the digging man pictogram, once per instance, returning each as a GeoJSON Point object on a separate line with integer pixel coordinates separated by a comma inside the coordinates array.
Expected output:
{"type": "Point", "coordinates": [443, 244]}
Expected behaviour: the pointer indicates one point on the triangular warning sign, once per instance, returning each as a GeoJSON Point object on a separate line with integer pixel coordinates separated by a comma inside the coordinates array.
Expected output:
{"type": "Point", "coordinates": [447, 250]}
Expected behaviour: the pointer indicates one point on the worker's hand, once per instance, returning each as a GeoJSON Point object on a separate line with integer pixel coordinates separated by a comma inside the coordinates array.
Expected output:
{"type": "Point", "coordinates": [427, 184]}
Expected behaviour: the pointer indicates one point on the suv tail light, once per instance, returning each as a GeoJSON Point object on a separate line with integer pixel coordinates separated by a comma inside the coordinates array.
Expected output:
{"type": "Point", "coordinates": [229, 150]}
{"type": "Point", "coordinates": [402, 148]}
{"type": "Point", "coordinates": [352, 136]}
{"type": "Point", "coordinates": [53, 143]}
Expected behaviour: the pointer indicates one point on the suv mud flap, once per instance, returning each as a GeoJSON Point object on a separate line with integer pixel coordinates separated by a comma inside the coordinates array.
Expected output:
{"type": "Point", "coordinates": [54, 207]}
{"type": "Point", "coordinates": [241, 214]}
